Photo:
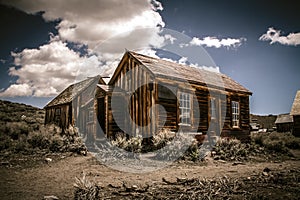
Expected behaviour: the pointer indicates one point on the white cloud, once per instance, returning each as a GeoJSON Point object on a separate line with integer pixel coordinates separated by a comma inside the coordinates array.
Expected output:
{"type": "Point", "coordinates": [170, 37]}
{"type": "Point", "coordinates": [49, 69]}
{"type": "Point", "coordinates": [184, 61]}
{"type": "Point", "coordinates": [215, 42]}
{"type": "Point", "coordinates": [106, 27]}
{"type": "Point", "coordinates": [94, 21]}
{"type": "Point", "coordinates": [274, 36]}
{"type": "Point", "coordinates": [17, 90]}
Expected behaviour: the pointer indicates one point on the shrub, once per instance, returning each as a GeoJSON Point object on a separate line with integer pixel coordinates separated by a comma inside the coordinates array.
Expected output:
{"type": "Point", "coordinates": [120, 140]}
{"type": "Point", "coordinates": [275, 145]}
{"type": "Point", "coordinates": [15, 129]}
{"type": "Point", "coordinates": [178, 148]}
{"type": "Point", "coordinates": [5, 142]}
{"type": "Point", "coordinates": [55, 139]}
{"type": "Point", "coordinates": [163, 137]}
{"type": "Point", "coordinates": [231, 149]}
{"type": "Point", "coordinates": [38, 140]}
{"type": "Point", "coordinates": [135, 144]}
{"type": "Point", "coordinates": [85, 189]}
{"type": "Point", "coordinates": [193, 153]}
{"type": "Point", "coordinates": [278, 142]}
{"type": "Point", "coordinates": [132, 144]}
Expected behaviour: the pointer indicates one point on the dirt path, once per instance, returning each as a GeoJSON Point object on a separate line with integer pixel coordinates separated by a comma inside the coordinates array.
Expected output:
{"type": "Point", "coordinates": [57, 177]}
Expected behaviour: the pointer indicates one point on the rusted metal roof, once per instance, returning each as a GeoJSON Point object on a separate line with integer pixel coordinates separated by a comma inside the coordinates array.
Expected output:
{"type": "Point", "coordinates": [284, 118]}
{"type": "Point", "coordinates": [296, 105]}
{"type": "Point", "coordinates": [172, 70]}
{"type": "Point", "coordinates": [72, 91]}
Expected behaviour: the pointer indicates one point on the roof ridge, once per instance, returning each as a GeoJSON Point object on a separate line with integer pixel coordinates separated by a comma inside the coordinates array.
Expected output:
{"type": "Point", "coordinates": [176, 63]}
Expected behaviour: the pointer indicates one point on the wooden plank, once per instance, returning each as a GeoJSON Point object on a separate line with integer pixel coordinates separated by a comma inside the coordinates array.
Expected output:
{"type": "Point", "coordinates": [136, 102]}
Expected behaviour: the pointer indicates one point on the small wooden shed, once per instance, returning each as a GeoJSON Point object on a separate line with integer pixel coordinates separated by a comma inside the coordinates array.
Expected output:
{"type": "Point", "coordinates": [295, 112]}
{"type": "Point", "coordinates": [284, 123]}
{"type": "Point", "coordinates": [146, 94]}
{"type": "Point", "coordinates": [74, 106]}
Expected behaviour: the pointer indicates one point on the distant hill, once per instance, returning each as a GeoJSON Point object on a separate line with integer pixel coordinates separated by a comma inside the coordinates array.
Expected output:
{"type": "Point", "coordinates": [265, 121]}
{"type": "Point", "coordinates": [13, 112]}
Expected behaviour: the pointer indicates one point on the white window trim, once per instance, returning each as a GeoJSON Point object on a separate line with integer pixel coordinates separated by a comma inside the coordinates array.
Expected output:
{"type": "Point", "coordinates": [187, 107]}
{"type": "Point", "coordinates": [235, 111]}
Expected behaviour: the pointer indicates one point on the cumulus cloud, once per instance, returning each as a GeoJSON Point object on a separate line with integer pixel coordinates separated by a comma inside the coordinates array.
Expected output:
{"type": "Point", "coordinates": [49, 69]}
{"type": "Point", "coordinates": [106, 27]}
{"type": "Point", "coordinates": [274, 36]}
{"type": "Point", "coordinates": [185, 61]}
{"type": "Point", "coordinates": [215, 42]}
{"type": "Point", "coordinates": [17, 90]}
{"type": "Point", "coordinates": [96, 20]}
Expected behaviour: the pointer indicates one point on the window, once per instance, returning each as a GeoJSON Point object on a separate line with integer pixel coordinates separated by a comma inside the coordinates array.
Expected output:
{"type": "Point", "coordinates": [166, 92]}
{"type": "Point", "coordinates": [235, 113]}
{"type": "Point", "coordinates": [57, 114]}
{"type": "Point", "coordinates": [90, 116]}
{"type": "Point", "coordinates": [57, 111]}
{"type": "Point", "coordinates": [185, 108]}
{"type": "Point", "coordinates": [213, 108]}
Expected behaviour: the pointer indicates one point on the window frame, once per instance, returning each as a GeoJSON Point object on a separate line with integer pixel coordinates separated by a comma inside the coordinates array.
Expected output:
{"type": "Point", "coordinates": [57, 111]}
{"type": "Point", "coordinates": [185, 106]}
{"type": "Point", "coordinates": [235, 112]}
{"type": "Point", "coordinates": [90, 117]}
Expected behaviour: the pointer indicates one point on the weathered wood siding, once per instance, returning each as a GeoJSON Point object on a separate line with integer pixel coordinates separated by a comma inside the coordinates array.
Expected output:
{"type": "Point", "coordinates": [137, 84]}
{"type": "Point", "coordinates": [284, 127]}
{"type": "Point", "coordinates": [142, 90]}
{"type": "Point", "coordinates": [243, 131]}
{"type": "Point", "coordinates": [202, 98]}
{"type": "Point", "coordinates": [63, 120]}
{"type": "Point", "coordinates": [296, 128]}
{"type": "Point", "coordinates": [166, 98]}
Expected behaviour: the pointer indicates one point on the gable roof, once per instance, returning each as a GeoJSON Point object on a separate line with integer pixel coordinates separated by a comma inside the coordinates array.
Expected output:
{"type": "Point", "coordinates": [172, 70]}
{"type": "Point", "coordinates": [284, 118]}
{"type": "Point", "coordinates": [73, 90]}
{"type": "Point", "coordinates": [296, 105]}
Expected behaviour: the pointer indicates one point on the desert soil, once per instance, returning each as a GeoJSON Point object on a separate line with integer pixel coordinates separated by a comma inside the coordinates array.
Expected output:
{"type": "Point", "coordinates": [32, 177]}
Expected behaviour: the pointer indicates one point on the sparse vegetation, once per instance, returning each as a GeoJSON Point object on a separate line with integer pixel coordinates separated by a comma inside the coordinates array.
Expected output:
{"type": "Point", "coordinates": [162, 138]}
{"type": "Point", "coordinates": [23, 138]}
{"type": "Point", "coordinates": [231, 149]}
{"type": "Point", "coordinates": [276, 142]}
{"type": "Point", "coordinates": [85, 189]}
{"type": "Point", "coordinates": [131, 144]}
{"type": "Point", "coordinates": [23, 131]}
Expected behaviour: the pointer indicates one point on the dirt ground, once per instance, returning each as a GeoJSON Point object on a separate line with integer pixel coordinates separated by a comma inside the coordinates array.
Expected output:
{"type": "Point", "coordinates": [32, 177]}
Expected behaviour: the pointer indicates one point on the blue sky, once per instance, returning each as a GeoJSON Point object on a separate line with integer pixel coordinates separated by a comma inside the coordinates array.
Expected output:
{"type": "Point", "coordinates": [45, 46]}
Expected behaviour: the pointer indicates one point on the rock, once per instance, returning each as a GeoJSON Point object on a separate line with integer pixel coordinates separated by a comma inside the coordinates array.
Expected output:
{"type": "Point", "coordinates": [238, 163]}
{"type": "Point", "coordinates": [213, 153]}
{"type": "Point", "coordinates": [266, 169]}
{"type": "Point", "coordinates": [48, 160]}
{"type": "Point", "coordinates": [134, 187]}
{"type": "Point", "coordinates": [51, 197]}
{"type": "Point", "coordinates": [23, 117]}
{"type": "Point", "coordinates": [265, 173]}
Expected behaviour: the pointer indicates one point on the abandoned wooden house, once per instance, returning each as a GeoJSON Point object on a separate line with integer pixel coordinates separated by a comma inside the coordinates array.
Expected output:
{"type": "Point", "coordinates": [74, 106]}
{"type": "Point", "coordinates": [284, 123]}
{"type": "Point", "coordinates": [295, 112]}
{"type": "Point", "coordinates": [147, 94]}
{"type": "Point", "coordinates": [190, 99]}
